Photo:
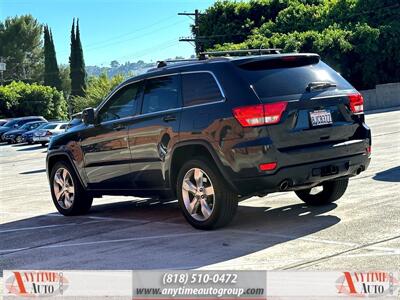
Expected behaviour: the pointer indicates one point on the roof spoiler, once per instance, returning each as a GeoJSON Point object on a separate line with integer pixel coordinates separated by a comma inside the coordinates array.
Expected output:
{"type": "Point", "coordinates": [278, 61]}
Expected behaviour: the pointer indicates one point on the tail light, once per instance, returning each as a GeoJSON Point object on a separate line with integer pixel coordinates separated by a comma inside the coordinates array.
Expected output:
{"type": "Point", "coordinates": [356, 103]}
{"type": "Point", "coordinates": [268, 166]}
{"type": "Point", "coordinates": [261, 114]}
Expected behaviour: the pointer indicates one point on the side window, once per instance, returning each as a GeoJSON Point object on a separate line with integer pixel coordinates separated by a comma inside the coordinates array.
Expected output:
{"type": "Point", "coordinates": [63, 126]}
{"type": "Point", "coordinates": [122, 104]}
{"type": "Point", "coordinates": [199, 88]}
{"type": "Point", "coordinates": [160, 94]}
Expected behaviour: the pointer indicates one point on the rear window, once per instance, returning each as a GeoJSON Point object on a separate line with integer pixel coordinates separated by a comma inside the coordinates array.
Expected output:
{"type": "Point", "coordinates": [275, 82]}
{"type": "Point", "coordinates": [199, 88]}
{"type": "Point", "coordinates": [50, 126]}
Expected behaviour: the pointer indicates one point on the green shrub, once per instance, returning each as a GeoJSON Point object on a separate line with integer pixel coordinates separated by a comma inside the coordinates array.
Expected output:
{"type": "Point", "coordinates": [22, 99]}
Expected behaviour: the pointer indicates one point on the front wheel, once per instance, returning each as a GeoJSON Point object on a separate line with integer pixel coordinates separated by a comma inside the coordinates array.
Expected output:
{"type": "Point", "coordinates": [205, 199]}
{"type": "Point", "coordinates": [67, 192]}
{"type": "Point", "coordinates": [328, 192]}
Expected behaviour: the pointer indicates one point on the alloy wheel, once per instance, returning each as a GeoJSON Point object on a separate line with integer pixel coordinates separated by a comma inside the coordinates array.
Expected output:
{"type": "Point", "coordinates": [198, 194]}
{"type": "Point", "coordinates": [63, 187]}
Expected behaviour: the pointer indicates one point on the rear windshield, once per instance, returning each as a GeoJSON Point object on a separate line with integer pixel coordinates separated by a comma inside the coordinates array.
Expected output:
{"type": "Point", "coordinates": [50, 126]}
{"type": "Point", "coordinates": [275, 82]}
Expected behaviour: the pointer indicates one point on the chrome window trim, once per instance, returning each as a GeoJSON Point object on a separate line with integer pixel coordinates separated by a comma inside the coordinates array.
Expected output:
{"type": "Point", "coordinates": [161, 111]}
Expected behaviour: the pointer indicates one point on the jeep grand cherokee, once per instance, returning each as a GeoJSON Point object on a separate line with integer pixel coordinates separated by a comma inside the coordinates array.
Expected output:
{"type": "Point", "coordinates": [214, 131]}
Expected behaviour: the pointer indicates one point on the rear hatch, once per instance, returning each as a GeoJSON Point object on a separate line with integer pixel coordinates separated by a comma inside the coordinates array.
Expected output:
{"type": "Point", "coordinates": [318, 102]}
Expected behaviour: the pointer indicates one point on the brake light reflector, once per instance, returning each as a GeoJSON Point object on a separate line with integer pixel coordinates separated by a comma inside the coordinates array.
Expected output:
{"type": "Point", "coordinates": [268, 166]}
{"type": "Point", "coordinates": [261, 114]}
{"type": "Point", "coordinates": [356, 103]}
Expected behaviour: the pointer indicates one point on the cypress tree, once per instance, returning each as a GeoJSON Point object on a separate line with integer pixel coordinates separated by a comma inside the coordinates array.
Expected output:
{"type": "Point", "coordinates": [77, 63]}
{"type": "Point", "coordinates": [51, 71]}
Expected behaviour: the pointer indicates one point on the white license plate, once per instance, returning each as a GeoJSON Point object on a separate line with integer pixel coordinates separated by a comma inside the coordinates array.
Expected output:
{"type": "Point", "coordinates": [320, 117]}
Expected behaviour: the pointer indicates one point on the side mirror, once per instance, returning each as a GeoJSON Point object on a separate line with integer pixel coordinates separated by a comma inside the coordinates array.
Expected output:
{"type": "Point", "coordinates": [88, 116]}
{"type": "Point", "coordinates": [16, 126]}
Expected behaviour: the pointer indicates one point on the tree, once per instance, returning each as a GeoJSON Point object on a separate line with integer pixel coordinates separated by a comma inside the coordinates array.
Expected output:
{"type": "Point", "coordinates": [359, 38]}
{"type": "Point", "coordinates": [21, 47]}
{"type": "Point", "coordinates": [51, 71]}
{"type": "Point", "coordinates": [97, 89]}
{"type": "Point", "coordinates": [23, 99]}
{"type": "Point", "coordinates": [77, 63]}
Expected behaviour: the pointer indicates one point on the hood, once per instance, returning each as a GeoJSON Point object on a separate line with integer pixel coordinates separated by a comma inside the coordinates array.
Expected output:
{"type": "Point", "coordinates": [16, 131]}
{"type": "Point", "coordinates": [30, 131]}
{"type": "Point", "coordinates": [5, 129]}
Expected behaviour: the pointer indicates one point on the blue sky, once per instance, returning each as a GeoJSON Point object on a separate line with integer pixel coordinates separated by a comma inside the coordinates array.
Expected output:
{"type": "Point", "coordinates": [124, 30]}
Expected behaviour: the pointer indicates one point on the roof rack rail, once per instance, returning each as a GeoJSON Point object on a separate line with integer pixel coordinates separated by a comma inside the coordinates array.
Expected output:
{"type": "Point", "coordinates": [242, 52]}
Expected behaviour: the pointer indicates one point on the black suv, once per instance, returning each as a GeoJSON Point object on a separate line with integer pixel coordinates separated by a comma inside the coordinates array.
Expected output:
{"type": "Point", "coordinates": [212, 132]}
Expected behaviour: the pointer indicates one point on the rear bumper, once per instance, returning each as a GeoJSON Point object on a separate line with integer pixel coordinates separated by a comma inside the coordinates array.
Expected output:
{"type": "Point", "coordinates": [41, 139]}
{"type": "Point", "coordinates": [304, 175]}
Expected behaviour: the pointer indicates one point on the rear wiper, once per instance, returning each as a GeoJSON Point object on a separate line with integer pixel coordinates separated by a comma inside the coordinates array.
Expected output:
{"type": "Point", "coordinates": [320, 85]}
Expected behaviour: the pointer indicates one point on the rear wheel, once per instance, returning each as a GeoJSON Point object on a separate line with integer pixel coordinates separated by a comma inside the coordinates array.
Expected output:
{"type": "Point", "coordinates": [205, 199]}
{"type": "Point", "coordinates": [68, 195]}
{"type": "Point", "coordinates": [18, 139]}
{"type": "Point", "coordinates": [328, 192]}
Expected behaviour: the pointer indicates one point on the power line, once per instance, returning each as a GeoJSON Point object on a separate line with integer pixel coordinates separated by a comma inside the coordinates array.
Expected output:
{"type": "Point", "coordinates": [195, 39]}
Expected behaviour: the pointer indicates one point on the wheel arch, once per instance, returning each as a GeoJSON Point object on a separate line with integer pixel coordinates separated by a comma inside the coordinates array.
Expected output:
{"type": "Point", "coordinates": [54, 157]}
{"type": "Point", "coordinates": [189, 149]}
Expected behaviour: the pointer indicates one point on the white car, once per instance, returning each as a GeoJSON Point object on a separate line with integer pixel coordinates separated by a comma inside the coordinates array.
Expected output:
{"type": "Point", "coordinates": [44, 134]}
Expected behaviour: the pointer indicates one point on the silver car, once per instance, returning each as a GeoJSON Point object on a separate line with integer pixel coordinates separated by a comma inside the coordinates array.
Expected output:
{"type": "Point", "coordinates": [44, 134]}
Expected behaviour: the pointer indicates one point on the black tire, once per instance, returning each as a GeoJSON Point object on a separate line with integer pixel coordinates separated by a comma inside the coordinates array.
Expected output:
{"type": "Point", "coordinates": [43, 144]}
{"type": "Point", "coordinates": [82, 201]}
{"type": "Point", "coordinates": [225, 200]}
{"type": "Point", "coordinates": [332, 191]}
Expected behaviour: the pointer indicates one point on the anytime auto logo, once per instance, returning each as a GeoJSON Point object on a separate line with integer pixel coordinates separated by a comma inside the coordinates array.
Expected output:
{"type": "Point", "coordinates": [36, 283]}
{"type": "Point", "coordinates": [367, 284]}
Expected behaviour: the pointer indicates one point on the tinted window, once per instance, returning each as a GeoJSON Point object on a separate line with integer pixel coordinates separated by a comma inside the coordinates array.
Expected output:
{"type": "Point", "coordinates": [277, 82]}
{"type": "Point", "coordinates": [122, 104]}
{"type": "Point", "coordinates": [50, 126]}
{"type": "Point", "coordinates": [198, 88]}
{"type": "Point", "coordinates": [160, 94]}
{"type": "Point", "coordinates": [63, 126]}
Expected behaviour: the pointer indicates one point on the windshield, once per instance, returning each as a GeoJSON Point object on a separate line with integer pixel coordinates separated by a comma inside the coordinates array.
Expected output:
{"type": "Point", "coordinates": [42, 126]}
{"type": "Point", "coordinates": [50, 126]}
{"type": "Point", "coordinates": [10, 123]}
{"type": "Point", "coordinates": [276, 82]}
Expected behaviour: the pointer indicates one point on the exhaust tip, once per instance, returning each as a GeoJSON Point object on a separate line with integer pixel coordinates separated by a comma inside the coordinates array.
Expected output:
{"type": "Point", "coordinates": [284, 185]}
{"type": "Point", "coordinates": [360, 169]}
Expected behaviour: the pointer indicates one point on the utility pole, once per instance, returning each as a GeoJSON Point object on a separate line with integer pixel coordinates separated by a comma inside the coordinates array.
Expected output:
{"type": "Point", "coordinates": [195, 38]}
{"type": "Point", "coordinates": [2, 69]}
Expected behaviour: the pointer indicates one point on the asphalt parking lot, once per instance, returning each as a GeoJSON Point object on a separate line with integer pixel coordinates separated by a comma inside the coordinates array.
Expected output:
{"type": "Point", "coordinates": [360, 232]}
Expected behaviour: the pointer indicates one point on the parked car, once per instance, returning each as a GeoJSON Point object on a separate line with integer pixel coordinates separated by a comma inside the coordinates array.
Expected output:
{"type": "Point", "coordinates": [215, 131]}
{"type": "Point", "coordinates": [3, 121]}
{"type": "Point", "coordinates": [16, 123]}
{"type": "Point", "coordinates": [15, 136]}
{"type": "Point", "coordinates": [44, 135]}
{"type": "Point", "coordinates": [75, 120]}
{"type": "Point", "coordinates": [27, 137]}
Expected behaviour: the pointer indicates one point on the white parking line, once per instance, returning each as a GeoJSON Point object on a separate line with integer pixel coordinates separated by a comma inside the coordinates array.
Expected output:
{"type": "Point", "coordinates": [315, 240]}
{"type": "Point", "coordinates": [4, 251]}
{"type": "Point", "coordinates": [45, 226]}
{"type": "Point", "coordinates": [126, 240]}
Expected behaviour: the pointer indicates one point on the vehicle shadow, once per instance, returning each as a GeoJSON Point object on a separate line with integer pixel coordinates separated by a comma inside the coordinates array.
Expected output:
{"type": "Point", "coordinates": [36, 147]}
{"type": "Point", "coordinates": [150, 235]}
{"type": "Point", "coordinates": [392, 175]}
{"type": "Point", "coordinates": [33, 172]}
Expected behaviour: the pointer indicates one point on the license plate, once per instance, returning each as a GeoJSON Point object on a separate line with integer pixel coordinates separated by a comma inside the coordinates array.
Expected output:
{"type": "Point", "coordinates": [320, 117]}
